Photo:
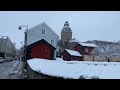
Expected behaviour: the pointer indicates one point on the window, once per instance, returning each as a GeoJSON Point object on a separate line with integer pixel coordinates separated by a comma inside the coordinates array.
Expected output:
{"type": "Point", "coordinates": [43, 31]}
{"type": "Point", "coordinates": [85, 56]}
{"type": "Point", "coordinates": [52, 42]}
{"type": "Point", "coordinates": [86, 49]}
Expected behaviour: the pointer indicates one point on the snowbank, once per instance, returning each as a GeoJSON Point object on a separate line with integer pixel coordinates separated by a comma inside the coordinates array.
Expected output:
{"type": "Point", "coordinates": [76, 69]}
{"type": "Point", "coordinates": [59, 59]}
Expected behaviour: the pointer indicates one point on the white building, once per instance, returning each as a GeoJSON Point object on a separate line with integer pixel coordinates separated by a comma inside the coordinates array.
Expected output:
{"type": "Point", "coordinates": [43, 31]}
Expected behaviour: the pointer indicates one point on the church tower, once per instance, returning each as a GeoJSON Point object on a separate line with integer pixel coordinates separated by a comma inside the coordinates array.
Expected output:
{"type": "Point", "coordinates": [66, 35]}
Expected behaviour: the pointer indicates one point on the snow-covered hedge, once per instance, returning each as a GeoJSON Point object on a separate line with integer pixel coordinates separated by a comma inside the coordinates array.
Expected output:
{"type": "Point", "coordinates": [76, 69]}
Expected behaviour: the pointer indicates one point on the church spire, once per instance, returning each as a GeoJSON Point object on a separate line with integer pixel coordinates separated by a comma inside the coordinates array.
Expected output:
{"type": "Point", "coordinates": [66, 23]}
{"type": "Point", "coordinates": [66, 27]}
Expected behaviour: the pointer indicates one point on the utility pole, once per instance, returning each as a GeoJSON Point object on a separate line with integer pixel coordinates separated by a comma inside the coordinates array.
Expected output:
{"type": "Point", "coordinates": [25, 46]}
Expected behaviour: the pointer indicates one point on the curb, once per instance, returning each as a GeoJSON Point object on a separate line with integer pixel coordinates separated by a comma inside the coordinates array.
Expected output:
{"type": "Point", "coordinates": [15, 69]}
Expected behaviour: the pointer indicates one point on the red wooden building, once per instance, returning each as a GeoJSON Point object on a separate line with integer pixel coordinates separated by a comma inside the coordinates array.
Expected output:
{"type": "Point", "coordinates": [69, 55]}
{"type": "Point", "coordinates": [40, 49]}
{"type": "Point", "coordinates": [85, 48]}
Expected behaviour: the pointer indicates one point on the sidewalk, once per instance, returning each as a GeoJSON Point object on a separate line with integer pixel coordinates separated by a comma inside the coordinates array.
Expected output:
{"type": "Point", "coordinates": [16, 72]}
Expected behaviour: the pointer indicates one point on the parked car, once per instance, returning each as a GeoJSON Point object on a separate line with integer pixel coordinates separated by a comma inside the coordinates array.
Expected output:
{"type": "Point", "coordinates": [2, 60]}
{"type": "Point", "coordinates": [8, 59]}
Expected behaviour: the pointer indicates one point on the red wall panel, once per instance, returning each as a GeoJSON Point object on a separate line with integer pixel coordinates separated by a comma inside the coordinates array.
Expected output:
{"type": "Point", "coordinates": [66, 56]}
{"type": "Point", "coordinates": [41, 51]}
{"type": "Point", "coordinates": [81, 50]}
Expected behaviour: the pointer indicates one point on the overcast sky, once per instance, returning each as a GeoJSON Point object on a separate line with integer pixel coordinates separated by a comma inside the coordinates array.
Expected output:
{"type": "Point", "coordinates": [85, 25]}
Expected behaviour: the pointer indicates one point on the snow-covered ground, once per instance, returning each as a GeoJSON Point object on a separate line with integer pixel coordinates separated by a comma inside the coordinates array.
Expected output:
{"type": "Point", "coordinates": [76, 69]}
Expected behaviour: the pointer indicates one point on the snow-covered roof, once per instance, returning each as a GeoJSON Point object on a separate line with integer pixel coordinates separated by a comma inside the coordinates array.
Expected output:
{"type": "Point", "coordinates": [36, 26]}
{"type": "Point", "coordinates": [75, 40]}
{"type": "Point", "coordinates": [88, 44]}
{"type": "Point", "coordinates": [43, 23]}
{"type": "Point", "coordinates": [73, 53]}
{"type": "Point", "coordinates": [83, 44]}
{"type": "Point", "coordinates": [75, 69]}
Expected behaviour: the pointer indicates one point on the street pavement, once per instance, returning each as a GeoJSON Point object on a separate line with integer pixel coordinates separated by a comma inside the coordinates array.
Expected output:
{"type": "Point", "coordinates": [11, 70]}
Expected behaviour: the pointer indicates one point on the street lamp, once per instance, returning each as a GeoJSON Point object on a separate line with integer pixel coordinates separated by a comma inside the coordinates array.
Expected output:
{"type": "Point", "coordinates": [25, 48]}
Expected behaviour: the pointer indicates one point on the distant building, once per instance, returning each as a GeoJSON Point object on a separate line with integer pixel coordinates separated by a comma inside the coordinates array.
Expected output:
{"type": "Point", "coordinates": [20, 53]}
{"type": "Point", "coordinates": [106, 49]}
{"type": "Point", "coordinates": [43, 31]}
{"type": "Point", "coordinates": [102, 43]}
{"type": "Point", "coordinates": [85, 48]}
{"type": "Point", "coordinates": [66, 36]}
{"type": "Point", "coordinates": [69, 55]}
{"type": "Point", "coordinates": [82, 48]}
{"type": "Point", "coordinates": [67, 42]}
{"type": "Point", "coordinates": [7, 48]}
{"type": "Point", "coordinates": [40, 49]}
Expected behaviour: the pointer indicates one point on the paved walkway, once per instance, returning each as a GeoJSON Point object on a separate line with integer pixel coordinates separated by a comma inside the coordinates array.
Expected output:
{"type": "Point", "coordinates": [11, 69]}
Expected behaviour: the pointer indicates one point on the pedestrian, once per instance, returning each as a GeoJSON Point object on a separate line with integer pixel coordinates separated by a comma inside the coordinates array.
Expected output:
{"type": "Point", "coordinates": [19, 58]}
{"type": "Point", "coordinates": [108, 60]}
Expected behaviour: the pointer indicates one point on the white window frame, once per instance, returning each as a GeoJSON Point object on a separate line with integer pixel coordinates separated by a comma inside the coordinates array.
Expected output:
{"type": "Point", "coordinates": [86, 49]}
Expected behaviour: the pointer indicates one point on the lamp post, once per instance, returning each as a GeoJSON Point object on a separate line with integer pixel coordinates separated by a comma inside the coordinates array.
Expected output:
{"type": "Point", "coordinates": [25, 47]}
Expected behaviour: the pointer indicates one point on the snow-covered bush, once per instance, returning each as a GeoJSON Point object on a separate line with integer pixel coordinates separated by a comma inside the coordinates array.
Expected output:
{"type": "Point", "coordinates": [94, 77]}
{"type": "Point", "coordinates": [108, 51]}
{"type": "Point", "coordinates": [82, 77]}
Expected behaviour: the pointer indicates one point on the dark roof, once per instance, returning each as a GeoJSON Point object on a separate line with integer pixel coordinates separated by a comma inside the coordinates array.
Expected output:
{"type": "Point", "coordinates": [72, 45]}
{"type": "Point", "coordinates": [39, 42]}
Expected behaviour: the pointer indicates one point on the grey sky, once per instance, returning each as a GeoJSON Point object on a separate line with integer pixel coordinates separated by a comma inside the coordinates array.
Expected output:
{"type": "Point", "coordinates": [85, 25]}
